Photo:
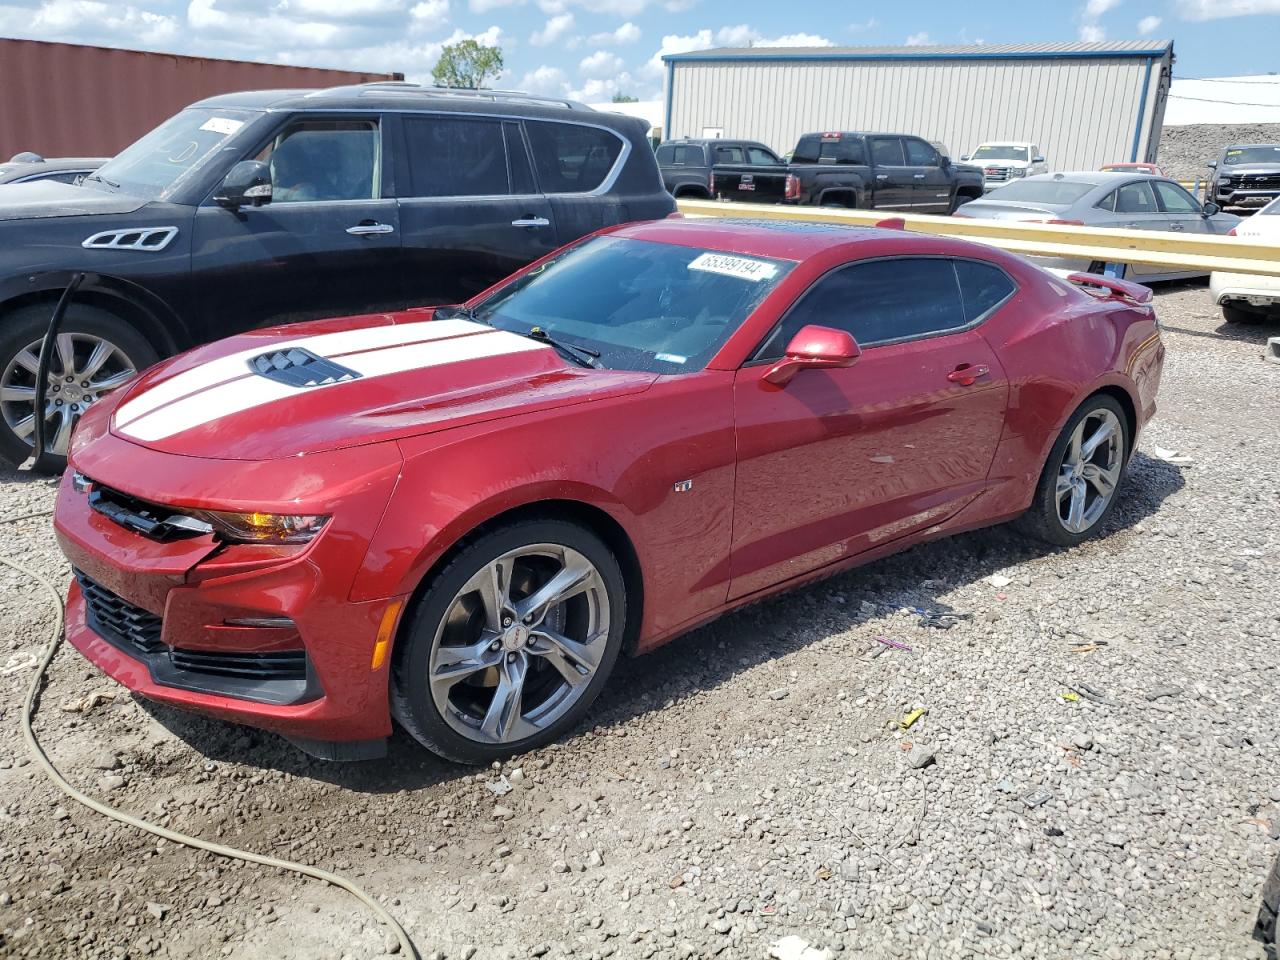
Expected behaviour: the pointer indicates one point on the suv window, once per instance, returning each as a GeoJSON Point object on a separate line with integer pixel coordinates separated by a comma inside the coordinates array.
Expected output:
{"type": "Point", "coordinates": [571, 158]}
{"type": "Point", "coordinates": [920, 154]}
{"type": "Point", "coordinates": [887, 152]}
{"type": "Point", "coordinates": [729, 155]}
{"type": "Point", "coordinates": [456, 157]}
{"type": "Point", "coordinates": [1174, 199]}
{"type": "Point", "coordinates": [761, 156]}
{"type": "Point", "coordinates": [1132, 198]}
{"type": "Point", "coordinates": [817, 149]}
{"type": "Point", "coordinates": [324, 160]}
{"type": "Point", "coordinates": [878, 302]}
{"type": "Point", "coordinates": [983, 287]}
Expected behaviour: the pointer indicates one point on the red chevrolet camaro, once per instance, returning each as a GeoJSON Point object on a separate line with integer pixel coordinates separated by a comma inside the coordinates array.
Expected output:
{"type": "Point", "coordinates": [460, 518]}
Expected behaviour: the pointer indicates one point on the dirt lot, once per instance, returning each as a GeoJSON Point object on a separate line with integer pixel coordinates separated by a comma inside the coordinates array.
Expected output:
{"type": "Point", "coordinates": [751, 780]}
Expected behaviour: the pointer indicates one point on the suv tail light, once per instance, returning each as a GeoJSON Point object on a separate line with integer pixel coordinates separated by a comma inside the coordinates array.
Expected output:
{"type": "Point", "coordinates": [1232, 232]}
{"type": "Point", "coordinates": [792, 189]}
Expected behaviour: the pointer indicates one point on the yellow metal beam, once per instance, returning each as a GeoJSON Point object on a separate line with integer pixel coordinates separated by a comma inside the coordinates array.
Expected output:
{"type": "Point", "coordinates": [1194, 252]}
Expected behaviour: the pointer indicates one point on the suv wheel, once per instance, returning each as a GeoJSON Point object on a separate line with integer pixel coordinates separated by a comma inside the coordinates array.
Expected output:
{"type": "Point", "coordinates": [95, 352]}
{"type": "Point", "coordinates": [513, 641]}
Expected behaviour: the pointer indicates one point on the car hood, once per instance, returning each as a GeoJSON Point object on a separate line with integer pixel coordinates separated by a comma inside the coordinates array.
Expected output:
{"type": "Point", "coordinates": [314, 387]}
{"type": "Point", "coordinates": [49, 198]}
{"type": "Point", "coordinates": [1249, 168]}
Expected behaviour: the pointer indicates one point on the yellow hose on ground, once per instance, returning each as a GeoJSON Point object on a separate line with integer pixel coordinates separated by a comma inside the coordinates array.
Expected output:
{"type": "Point", "coordinates": [28, 733]}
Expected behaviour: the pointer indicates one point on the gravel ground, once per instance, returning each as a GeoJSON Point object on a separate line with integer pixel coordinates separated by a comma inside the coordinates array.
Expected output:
{"type": "Point", "coordinates": [1184, 151]}
{"type": "Point", "coordinates": [752, 780]}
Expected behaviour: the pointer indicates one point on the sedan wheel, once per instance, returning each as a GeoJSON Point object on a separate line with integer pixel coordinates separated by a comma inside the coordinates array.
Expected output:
{"type": "Point", "coordinates": [513, 643]}
{"type": "Point", "coordinates": [1082, 479]}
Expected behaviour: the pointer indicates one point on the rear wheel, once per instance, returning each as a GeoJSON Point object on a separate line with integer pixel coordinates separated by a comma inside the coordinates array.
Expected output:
{"type": "Point", "coordinates": [1083, 476]}
{"type": "Point", "coordinates": [959, 201]}
{"type": "Point", "coordinates": [1234, 313]}
{"type": "Point", "coordinates": [96, 351]}
{"type": "Point", "coordinates": [512, 642]}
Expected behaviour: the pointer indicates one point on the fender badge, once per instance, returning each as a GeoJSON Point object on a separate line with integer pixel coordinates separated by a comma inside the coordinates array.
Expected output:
{"type": "Point", "coordinates": [682, 486]}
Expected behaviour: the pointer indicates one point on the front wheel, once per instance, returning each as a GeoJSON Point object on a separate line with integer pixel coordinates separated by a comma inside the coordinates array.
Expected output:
{"type": "Point", "coordinates": [95, 351]}
{"type": "Point", "coordinates": [512, 642]}
{"type": "Point", "coordinates": [1083, 475]}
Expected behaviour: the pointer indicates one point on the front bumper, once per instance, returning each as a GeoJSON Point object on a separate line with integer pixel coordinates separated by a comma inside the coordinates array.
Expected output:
{"type": "Point", "coordinates": [1245, 198]}
{"type": "Point", "coordinates": [264, 636]}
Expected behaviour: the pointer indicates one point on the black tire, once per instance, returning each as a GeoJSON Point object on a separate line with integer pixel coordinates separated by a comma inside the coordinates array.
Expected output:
{"type": "Point", "coordinates": [1234, 313]}
{"type": "Point", "coordinates": [411, 700]}
{"type": "Point", "coordinates": [1043, 519]}
{"type": "Point", "coordinates": [25, 326]}
{"type": "Point", "coordinates": [958, 201]}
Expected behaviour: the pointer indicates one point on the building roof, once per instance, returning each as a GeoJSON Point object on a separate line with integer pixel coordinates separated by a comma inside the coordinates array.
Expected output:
{"type": "Point", "coordinates": [977, 51]}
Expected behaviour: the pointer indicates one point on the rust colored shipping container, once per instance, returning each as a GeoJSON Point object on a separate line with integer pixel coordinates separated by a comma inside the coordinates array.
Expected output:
{"type": "Point", "coordinates": [68, 100]}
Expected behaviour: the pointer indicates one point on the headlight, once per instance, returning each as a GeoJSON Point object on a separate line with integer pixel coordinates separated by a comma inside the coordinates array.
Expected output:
{"type": "Point", "coordinates": [261, 527]}
{"type": "Point", "coordinates": [1017, 171]}
{"type": "Point", "coordinates": [1224, 182]}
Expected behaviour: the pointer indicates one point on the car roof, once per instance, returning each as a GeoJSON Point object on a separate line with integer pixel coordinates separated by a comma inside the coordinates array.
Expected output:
{"type": "Point", "coordinates": [777, 239]}
{"type": "Point", "coordinates": [1006, 143]}
{"type": "Point", "coordinates": [1099, 178]}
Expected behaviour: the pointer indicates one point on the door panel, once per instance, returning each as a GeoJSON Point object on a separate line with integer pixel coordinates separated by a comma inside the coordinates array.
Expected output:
{"type": "Point", "coordinates": [841, 461]}
{"type": "Point", "coordinates": [931, 190]}
{"type": "Point", "coordinates": [894, 181]}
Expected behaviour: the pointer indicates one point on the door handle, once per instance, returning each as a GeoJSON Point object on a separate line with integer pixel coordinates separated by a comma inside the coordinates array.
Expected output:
{"type": "Point", "coordinates": [370, 229]}
{"type": "Point", "coordinates": [531, 222]}
{"type": "Point", "coordinates": [882, 176]}
{"type": "Point", "coordinates": [919, 176]}
{"type": "Point", "coordinates": [967, 374]}
{"type": "Point", "coordinates": [1176, 226]}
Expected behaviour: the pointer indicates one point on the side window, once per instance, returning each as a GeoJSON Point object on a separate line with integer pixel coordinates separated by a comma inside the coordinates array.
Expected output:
{"type": "Point", "coordinates": [571, 158]}
{"type": "Point", "coordinates": [667, 155]}
{"type": "Point", "coordinates": [324, 160]}
{"type": "Point", "coordinates": [1174, 199]}
{"type": "Point", "coordinates": [983, 287]}
{"type": "Point", "coordinates": [519, 165]}
{"type": "Point", "coordinates": [920, 154]}
{"type": "Point", "coordinates": [729, 155]}
{"type": "Point", "coordinates": [1135, 198]}
{"type": "Point", "coordinates": [877, 302]}
{"type": "Point", "coordinates": [1108, 202]}
{"type": "Point", "coordinates": [808, 150]}
{"type": "Point", "coordinates": [761, 156]}
{"type": "Point", "coordinates": [887, 152]}
{"type": "Point", "coordinates": [456, 157]}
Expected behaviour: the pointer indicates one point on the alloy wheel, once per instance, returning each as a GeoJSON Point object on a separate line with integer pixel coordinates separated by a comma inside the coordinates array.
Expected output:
{"type": "Point", "coordinates": [1090, 470]}
{"type": "Point", "coordinates": [519, 644]}
{"type": "Point", "coordinates": [84, 367]}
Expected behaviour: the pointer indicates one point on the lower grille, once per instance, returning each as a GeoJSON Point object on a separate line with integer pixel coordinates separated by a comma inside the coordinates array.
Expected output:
{"type": "Point", "coordinates": [123, 624]}
{"type": "Point", "coordinates": [275, 676]}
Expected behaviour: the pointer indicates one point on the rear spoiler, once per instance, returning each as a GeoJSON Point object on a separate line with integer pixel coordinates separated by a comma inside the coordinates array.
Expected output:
{"type": "Point", "coordinates": [1117, 289]}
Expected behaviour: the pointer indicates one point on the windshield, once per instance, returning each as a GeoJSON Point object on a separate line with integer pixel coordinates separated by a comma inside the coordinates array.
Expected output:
{"type": "Point", "coordinates": [996, 151]}
{"type": "Point", "coordinates": [1272, 209]}
{"type": "Point", "coordinates": [1237, 155]}
{"type": "Point", "coordinates": [642, 305]}
{"type": "Point", "coordinates": [1046, 190]}
{"type": "Point", "coordinates": [156, 165]}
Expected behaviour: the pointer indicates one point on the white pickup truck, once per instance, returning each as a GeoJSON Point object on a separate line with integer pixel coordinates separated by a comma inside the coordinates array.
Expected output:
{"type": "Point", "coordinates": [1005, 160]}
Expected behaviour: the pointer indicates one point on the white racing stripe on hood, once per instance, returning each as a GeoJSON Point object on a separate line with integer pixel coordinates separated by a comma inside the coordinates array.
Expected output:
{"type": "Point", "coordinates": [328, 345]}
{"type": "Point", "coordinates": [228, 397]}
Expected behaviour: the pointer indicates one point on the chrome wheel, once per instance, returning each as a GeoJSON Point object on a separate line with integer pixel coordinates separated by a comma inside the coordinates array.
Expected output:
{"type": "Point", "coordinates": [519, 644]}
{"type": "Point", "coordinates": [84, 367]}
{"type": "Point", "coordinates": [1090, 470]}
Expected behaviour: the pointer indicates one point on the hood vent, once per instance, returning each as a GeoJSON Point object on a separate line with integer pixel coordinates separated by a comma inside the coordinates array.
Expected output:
{"type": "Point", "coordinates": [296, 367]}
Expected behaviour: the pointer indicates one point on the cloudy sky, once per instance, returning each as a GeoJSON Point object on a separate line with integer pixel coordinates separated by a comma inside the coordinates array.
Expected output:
{"type": "Point", "coordinates": [592, 49]}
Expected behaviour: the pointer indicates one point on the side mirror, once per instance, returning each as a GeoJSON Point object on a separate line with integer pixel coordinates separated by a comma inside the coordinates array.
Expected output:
{"type": "Point", "coordinates": [1039, 160]}
{"type": "Point", "coordinates": [1209, 208]}
{"type": "Point", "coordinates": [814, 347]}
{"type": "Point", "coordinates": [944, 161]}
{"type": "Point", "coordinates": [248, 183]}
{"type": "Point", "coordinates": [964, 158]}
{"type": "Point", "coordinates": [1212, 164]}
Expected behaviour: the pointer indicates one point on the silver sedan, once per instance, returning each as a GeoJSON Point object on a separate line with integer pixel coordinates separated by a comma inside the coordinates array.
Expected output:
{"type": "Point", "coordinates": [1128, 201]}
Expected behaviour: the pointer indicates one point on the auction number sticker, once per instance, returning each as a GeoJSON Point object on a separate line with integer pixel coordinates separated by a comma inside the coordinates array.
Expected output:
{"type": "Point", "coordinates": [223, 125]}
{"type": "Point", "coordinates": [743, 268]}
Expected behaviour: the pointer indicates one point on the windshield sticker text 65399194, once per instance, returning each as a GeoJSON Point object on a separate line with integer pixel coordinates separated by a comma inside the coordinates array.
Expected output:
{"type": "Point", "coordinates": [743, 268]}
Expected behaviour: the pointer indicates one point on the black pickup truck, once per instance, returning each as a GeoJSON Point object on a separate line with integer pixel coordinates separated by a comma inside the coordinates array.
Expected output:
{"type": "Point", "coordinates": [689, 166]}
{"type": "Point", "coordinates": [868, 171]}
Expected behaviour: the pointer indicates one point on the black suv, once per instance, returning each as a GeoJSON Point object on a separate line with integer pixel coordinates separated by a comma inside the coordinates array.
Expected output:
{"type": "Point", "coordinates": [270, 207]}
{"type": "Point", "coordinates": [688, 166]}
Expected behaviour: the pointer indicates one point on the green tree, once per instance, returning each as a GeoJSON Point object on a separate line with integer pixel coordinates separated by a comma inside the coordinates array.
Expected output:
{"type": "Point", "coordinates": [467, 64]}
{"type": "Point", "coordinates": [624, 98]}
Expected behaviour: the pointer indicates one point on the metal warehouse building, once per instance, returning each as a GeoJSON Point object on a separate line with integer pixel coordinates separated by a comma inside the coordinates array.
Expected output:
{"type": "Point", "coordinates": [1085, 104]}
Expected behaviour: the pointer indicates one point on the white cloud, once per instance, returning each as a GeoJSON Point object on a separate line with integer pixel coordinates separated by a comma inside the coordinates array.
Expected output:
{"type": "Point", "coordinates": [1218, 9]}
{"type": "Point", "coordinates": [340, 9]}
{"type": "Point", "coordinates": [553, 30]}
{"type": "Point", "coordinates": [1092, 33]}
{"type": "Point", "coordinates": [738, 36]}
{"type": "Point", "coordinates": [549, 81]}
{"type": "Point", "coordinates": [428, 14]}
{"type": "Point", "coordinates": [796, 40]}
{"type": "Point", "coordinates": [1093, 9]}
{"type": "Point", "coordinates": [484, 6]}
{"type": "Point", "coordinates": [627, 33]}
{"type": "Point", "coordinates": [90, 21]}
{"type": "Point", "coordinates": [865, 26]}
{"type": "Point", "coordinates": [918, 39]}
{"type": "Point", "coordinates": [743, 35]}
{"type": "Point", "coordinates": [654, 69]}
{"type": "Point", "coordinates": [601, 64]}
{"type": "Point", "coordinates": [1149, 25]}
{"type": "Point", "coordinates": [1090, 30]}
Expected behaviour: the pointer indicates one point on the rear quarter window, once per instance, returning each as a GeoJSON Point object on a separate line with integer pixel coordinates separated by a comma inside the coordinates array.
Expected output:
{"type": "Point", "coordinates": [983, 288]}
{"type": "Point", "coordinates": [571, 158]}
